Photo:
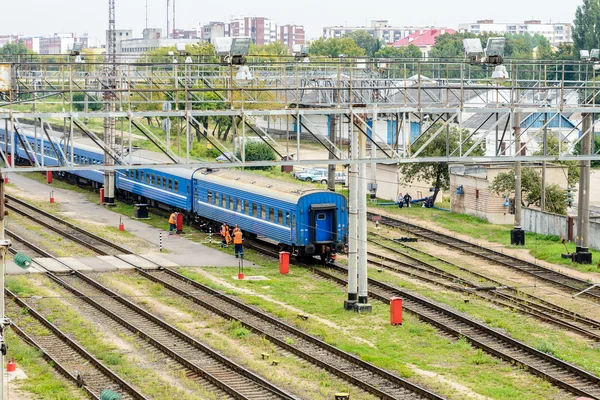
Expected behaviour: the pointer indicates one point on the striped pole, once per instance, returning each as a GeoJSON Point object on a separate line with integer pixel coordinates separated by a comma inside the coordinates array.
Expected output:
{"type": "Point", "coordinates": [160, 241]}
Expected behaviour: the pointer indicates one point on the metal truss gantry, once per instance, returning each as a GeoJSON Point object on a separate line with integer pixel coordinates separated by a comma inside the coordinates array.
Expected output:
{"type": "Point", "coordinates": [197, 98]}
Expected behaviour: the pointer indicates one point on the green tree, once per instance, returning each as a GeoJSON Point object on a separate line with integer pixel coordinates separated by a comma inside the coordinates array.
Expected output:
{"type": "Point", "coordinates": [271, 49]}
{"type": "Point", "coordinates": [531, 190]}
{"type": "Point", "coordinates": [411, 51]}
{"type": "Point", "coordinates": [257, 151]}
{"type": "Point", "coordinates": [552, 146]}
{"type": "Point", "coordinates": [586, 29]}
{"type": "Point", "coordinates": [14, 48]}
{"type": "Point", "coordinates": [595, 149]}
{"type": "Point", "coordinates": [436, 173]}
{"type": "Point", "coordinates": [366, 41]}
{"type": "Point", "coordinates": [335, 46]}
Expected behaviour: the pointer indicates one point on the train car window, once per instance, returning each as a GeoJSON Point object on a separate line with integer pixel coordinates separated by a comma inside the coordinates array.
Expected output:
{"type": "Point", "coordinates": [187, 188]}
{"type": "Point", "coordinates": [254, 210]}
{"type": "Point", "coordinates": [293, 221]}
{"type": "Point", "coordinates": [321, 217]}
{"type": "Point", "coordinates": [164, 182]}
{"type": "Point", "coordinates": [216, 198]}
{"type": "Point", "coordinates": [280, 217]}
{"type": "Point", "coordinates": [287, 219]}
{"type": "Point", "coordinates": [231, 207]}
{"type": "Point", "coordinates": [210, 198]}
{"type": "Point", "coordinates": [246, 209]}
{"type": "Point", "coordinates": [271, 214]}
{"type": "Point", "coordinates": [239, 205]}
{"type": "Point", "coordinates": [153, 179]}
{"type": "Point", "coordinates": [223, 202]}
{"type": "Point", "coordinates": [263, 212]}
{"type": "Point", "coordinates": [177, 186]}
{"type": "Point", "coordinates": [147, 177]}
{"type": "Point", "coordinates": [170, 185]}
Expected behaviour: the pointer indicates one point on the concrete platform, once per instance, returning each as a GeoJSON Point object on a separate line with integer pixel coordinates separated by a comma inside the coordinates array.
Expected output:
{"type": "Point", "coordinates": [52, 265]}
{"type": "Point", "coordinates": [159, 259]}
{"type": "Point", "coordinates": [117, 263]}
{"type": "Point", "coordinates": [178, 249]}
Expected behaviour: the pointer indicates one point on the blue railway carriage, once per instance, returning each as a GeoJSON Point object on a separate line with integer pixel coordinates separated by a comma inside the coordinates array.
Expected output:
{"type": "Point", "coordinates": [29, 147]}
{"type": "Point", "coordinates": [305, 220]}
{"type": "Point", "coordinates": [167, 188]}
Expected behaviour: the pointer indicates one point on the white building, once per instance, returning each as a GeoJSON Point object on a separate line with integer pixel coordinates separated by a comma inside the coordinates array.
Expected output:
{"type": "Point", "coordinates": [379, 29]}
{"type": "Point", "coordinates": [132, 49]}
{"type": "Point", "coordinates": [555, 32]}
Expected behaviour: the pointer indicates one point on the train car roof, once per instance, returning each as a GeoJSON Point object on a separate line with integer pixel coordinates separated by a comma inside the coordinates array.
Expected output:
{"type": "Point", "coordinates": [257, 183]}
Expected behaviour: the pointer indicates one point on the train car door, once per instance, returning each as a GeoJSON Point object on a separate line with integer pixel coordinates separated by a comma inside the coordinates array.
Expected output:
{"type": "Point", "coordinates": [323, 222]}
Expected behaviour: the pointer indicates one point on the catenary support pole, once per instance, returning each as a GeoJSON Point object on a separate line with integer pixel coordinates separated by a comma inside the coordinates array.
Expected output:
{"type": "Point", "coordinates": [583, 255]}
{"type": "Point", "coordinates": [352, 218]}
{"type": "Point", "coordinates": [374, 156]}
{"type": "Point", "coordinates": [517, 235]}
{"type": "Point", "coordinates": [331, 171]}
{"type": "Point", "coordinates": [363, 300]}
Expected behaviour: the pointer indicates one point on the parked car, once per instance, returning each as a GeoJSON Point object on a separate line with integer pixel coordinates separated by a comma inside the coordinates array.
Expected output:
{"type": "Point", "coordinates": [320, 175]}
{"type": "Point", "coordinates": [313, 175]}
{"type": "Point", "coordinates": [224, 157]}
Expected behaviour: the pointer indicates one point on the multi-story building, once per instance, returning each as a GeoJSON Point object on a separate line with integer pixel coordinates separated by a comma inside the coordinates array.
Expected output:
{"type": "Point", "coordinates": [187, 34]}
{"type": "Point", "coordinates": [260, 29]}
{"type": "Point", "coordinates": [290, 35]}
{"type": "Point", "coordinates": [60, 43]}
{"type": "Point", "coordinates": [10, 38]}
{"type": "Point", "coordinates": [379, 29]}
{"type": "Point", "coordinates": [215, 29]}
{"type": "Point", "coordinates": [555, 32]}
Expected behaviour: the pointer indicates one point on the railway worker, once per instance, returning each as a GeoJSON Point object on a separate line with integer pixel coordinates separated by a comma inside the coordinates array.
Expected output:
{"type": "Point", "coordinates": [236, 229]}
{"type": "Point", "coordinates": [225, 235]}
{"type": "Point", "coordinates": [407, 199]}
{"type": "Point", "coordinates": [400, 200]}
{"type": "Point", "coordinates": [173, 223]}
{"type": "Point", "coordinates": [238, 240]}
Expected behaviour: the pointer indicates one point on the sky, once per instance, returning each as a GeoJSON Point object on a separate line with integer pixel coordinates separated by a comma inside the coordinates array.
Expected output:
{"type": "Point", "coordinates": [45, 17]}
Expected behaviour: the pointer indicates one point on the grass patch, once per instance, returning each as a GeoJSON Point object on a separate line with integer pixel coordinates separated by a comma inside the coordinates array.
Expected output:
{"type": "Point", "coordinates": [42, 380]}
{"type": "Point", "coordinates": [543, 247]}
{"type": "Point", "coordinates": [390, 347]}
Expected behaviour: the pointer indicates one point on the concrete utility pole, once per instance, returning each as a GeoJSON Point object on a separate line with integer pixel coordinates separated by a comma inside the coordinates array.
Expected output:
{"type": "Point", "coordinates": [543, 199]}
{"type": "Point", "coordinates": [4, 245]}
{"type": "Point", "coordinates": [109, 104]}
{"type": "Point", "coordinates": [331, 171]}
{"type": "Point", "coordinates": [517, 235]}
{"type": "Point", "coordinates": [373, 183]}
{"type": "Point", "coordinates": [363, 292]}
{"type": "Point", "coordinates": [352, 219]}
{"type": "Point", "coordinates": [583, 255]}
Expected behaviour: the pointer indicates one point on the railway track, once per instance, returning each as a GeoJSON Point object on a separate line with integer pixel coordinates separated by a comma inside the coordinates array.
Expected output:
{"type": "Point", "coordinates": [571, 284]}
{"type": "Point", "coordinates": [74, 233]}
{"type": "Point", "coordinates": [560, 373]}
{"type": "Point", "coordinates": [379, 382]}
{"type": "Point", "coordinates": [485, 288]}
{"type": "Point", "coordinates": [224, 378]}
{"type": "Point", "coordinates": [66, 355]}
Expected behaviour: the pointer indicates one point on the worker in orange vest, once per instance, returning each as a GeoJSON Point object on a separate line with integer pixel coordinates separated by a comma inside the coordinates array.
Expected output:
{"type": "Point", "coordinates": [173, 223]}
{"type": "Point", "coordinates": [225, 235]}
{"type": "Point", "coordinates": [237, 242]}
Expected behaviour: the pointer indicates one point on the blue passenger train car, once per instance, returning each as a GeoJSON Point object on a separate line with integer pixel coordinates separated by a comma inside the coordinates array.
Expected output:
{"type": "Point", "coordinates": [301, 218]}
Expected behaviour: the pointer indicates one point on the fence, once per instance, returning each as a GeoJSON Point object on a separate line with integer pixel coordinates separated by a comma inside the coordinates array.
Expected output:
{"type": "Point", "coordinates": [558, 225]}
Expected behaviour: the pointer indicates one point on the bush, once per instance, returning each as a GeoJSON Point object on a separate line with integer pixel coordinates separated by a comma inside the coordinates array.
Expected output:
{"type": "Point", "coordinates": [79, 100]}
{"type": "Point", "coordinates": [257, 151]}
